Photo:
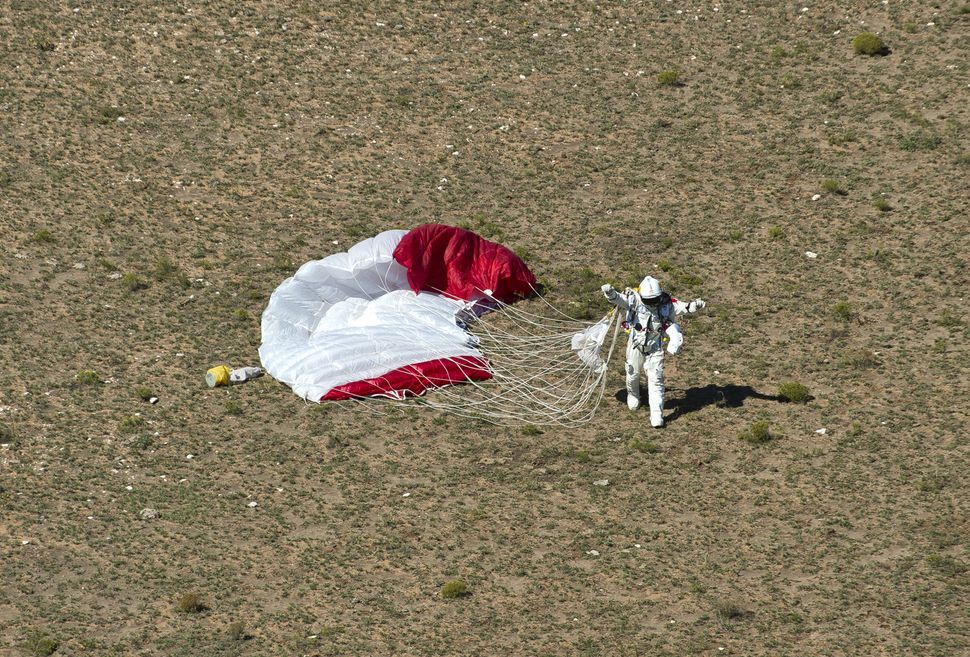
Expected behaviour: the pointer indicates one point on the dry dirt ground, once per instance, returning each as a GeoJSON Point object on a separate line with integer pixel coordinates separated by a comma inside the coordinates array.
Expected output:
{"type": "Point", "coordinates": [165, 165]}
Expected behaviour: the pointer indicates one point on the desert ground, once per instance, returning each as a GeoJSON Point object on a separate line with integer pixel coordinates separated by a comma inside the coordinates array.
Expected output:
{"type": "Point", "coordinates": [165, 165]}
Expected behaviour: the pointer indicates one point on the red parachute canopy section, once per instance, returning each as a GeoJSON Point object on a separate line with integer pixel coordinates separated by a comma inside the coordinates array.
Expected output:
{"type": "Point", "coordinates": [459, 263]}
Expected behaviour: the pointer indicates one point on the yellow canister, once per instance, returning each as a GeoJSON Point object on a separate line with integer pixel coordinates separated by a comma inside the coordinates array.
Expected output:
{"type": "Point", "coordinates": [217, 376]}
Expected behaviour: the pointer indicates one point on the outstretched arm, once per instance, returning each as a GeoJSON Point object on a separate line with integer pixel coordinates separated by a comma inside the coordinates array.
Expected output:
{"type": "Point", "coordinates": [614, 297]}
{"type": "Point", "coordinates": [688, 307]}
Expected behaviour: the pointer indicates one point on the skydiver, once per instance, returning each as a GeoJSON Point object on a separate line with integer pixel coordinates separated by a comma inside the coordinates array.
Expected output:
{"type": "Point", "coordinates": [651, 316]}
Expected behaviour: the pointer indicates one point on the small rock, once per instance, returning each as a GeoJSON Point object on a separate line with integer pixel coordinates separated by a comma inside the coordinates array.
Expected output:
{"type": "Point", "coordinates": [594, 553]}
{"type": "Point", "coordinates": [153, 400]}
{"type": "Point", "coordinates": [822, 431]}
{"type": "Point", "coordinates": [26, 541]}
{"type": "Point", "coordinates": [149, 514]}
{"type": "Point", "coordinates": [253, 505]}
{"type": "Point", "coordinates": [406, 495]}
{"type": "Point", "coordinates": [811, 254]}
{"type": "Point", "coordinates": [78, 265]}
{"type": "Point", "coordinates": [816, 197]}
{"type": "Point", "coordinates": [114, 275]}
{"type": "Point", "coordinates": [601, 482]}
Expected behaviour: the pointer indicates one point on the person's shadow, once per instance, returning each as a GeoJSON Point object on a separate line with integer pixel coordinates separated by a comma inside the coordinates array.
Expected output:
{"type": "Point", "coordinates": [694, 399]}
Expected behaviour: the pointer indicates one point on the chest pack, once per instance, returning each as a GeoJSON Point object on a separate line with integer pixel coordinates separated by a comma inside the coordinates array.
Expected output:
{"type": "Point", "coordinates": [651, 319]}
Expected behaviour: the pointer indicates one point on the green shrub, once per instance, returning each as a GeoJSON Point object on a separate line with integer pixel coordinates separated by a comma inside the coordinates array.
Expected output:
{"type": "Point", "coordinates": [775, 232]}
{"type": "Point", "coordinates": [728, 610]}
{"type": "Point", "coordinates": [793, 391]}
{"type": "Point", "coordinates": [87, 377]}
{"type": "Point", "coordinates": [833, 187]}
{"type": "Point", "coordinates": [842, 311]}
{"type": "Point", "coordinates": [236, 631]}
{"type": "Point", "coordinates": [164, 267]}
{"type": "Point", "coordinates": [531, 430]}
{"type": "Point", "coordinates": [867, 43]}
{"type": "Point", "coordinates": [42, 236]}
{"type": "Point", "coordinates": [143, 393]}
{"type": "Point", "coordinates": [133, 282]}
{"type": "Point", "coordinates": [109, 115]}
{"type": "Point", "coordinates": [7, 434]}
{"type": "Point", "coordinates": [454, 589]}
{"type": "Point", "coordinates": [669, 79]}
{"type": "Point", "coordinates": [190, 603]}
{"type": "Point", "coordinates": [757, 434]}
{"type": "Point", "coordinates": [233, 407]}
{"type": "Point", "coordinates": [882, 205]}
{"type": "Point", "coordinates": [643, 446]}
{"type": "Point", "coordinates": [241, 314]}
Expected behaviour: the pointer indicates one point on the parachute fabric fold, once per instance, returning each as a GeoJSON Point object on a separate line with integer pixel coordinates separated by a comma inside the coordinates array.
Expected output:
{"type": "Point", "coordinates": [459, 263]}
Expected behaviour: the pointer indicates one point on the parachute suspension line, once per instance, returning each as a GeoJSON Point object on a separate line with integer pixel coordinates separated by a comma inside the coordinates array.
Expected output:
{"type": "Point", "coordinates": [537, 376]}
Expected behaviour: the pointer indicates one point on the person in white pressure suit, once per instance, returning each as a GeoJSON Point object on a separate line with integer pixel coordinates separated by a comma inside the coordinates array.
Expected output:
{"type": "Point", "coordinates": [651, 317]}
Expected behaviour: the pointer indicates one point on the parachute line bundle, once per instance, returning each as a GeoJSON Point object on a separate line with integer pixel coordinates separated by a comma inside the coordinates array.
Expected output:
{"type": "Point", "coordinates": [412, 312]}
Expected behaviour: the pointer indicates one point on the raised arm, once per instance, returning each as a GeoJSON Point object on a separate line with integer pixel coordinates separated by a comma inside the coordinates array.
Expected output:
{"type": "Point", "coordinates": [614, 297]}
{"type": "Point", "coordinates": [688, 307]}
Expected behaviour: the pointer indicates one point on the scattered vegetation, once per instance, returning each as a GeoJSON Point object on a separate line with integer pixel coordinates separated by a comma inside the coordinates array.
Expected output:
{"type": "Point", "coordinates": [882, 205]}
{"type": "Point", "coordinates": [860, 359]}
{"type": "Point", "coordinates": [233, 407]}
{"type": "Point", "coordinates": [795, 392]}
{"type": "Point", "coordinates": [642, 445]}
{"type": "Point", "coordinates": [867, 43]}
{"type": "Point", "coordinates": [757, 434]}
{"type": "Point", "coordinates": [946, 565]}
{"type": "Point", "coordinates": [456, 588]}
{"type": "Point", "coordinates": [131, 424]}
{"type": "Point", "coordinates": [949, 319]}
{"type": "Point", "coordinates": [143, 393]}
{"type": "Point", "coordinates": [108, 115]}
{"type": "Point", "coordinates": [923, 140]}
{"type": "Point", "coordinates": [143, 442]}
{"type": "Point", "coordinates": [87, 377]}
{"type": "Point", "coordinates": [776, 232]}
{"type": "Point", "coordinates": [40, 645]}
{"type": "Point", "coordinates": [190, 603]}
{"type": "Point", "coordinates": [531, 430]}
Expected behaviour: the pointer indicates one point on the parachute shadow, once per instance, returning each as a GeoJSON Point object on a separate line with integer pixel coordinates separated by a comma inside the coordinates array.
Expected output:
{"type": "Point", "coordinates": [694, 399]}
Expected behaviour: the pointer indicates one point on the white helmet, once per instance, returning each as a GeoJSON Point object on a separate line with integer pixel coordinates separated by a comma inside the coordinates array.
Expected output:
{"type": "Point", "coordinates": [649, 288]}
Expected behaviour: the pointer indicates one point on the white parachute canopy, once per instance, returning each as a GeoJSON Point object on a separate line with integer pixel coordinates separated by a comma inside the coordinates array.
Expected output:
{"type": "Point", "coordinates": [352, 325]}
